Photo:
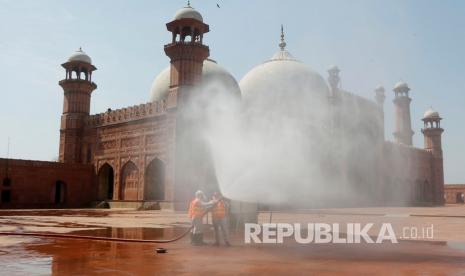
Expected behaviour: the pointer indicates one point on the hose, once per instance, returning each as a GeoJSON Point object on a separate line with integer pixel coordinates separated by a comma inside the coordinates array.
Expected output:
{"type": "Point", "coordinates": [67, 236]}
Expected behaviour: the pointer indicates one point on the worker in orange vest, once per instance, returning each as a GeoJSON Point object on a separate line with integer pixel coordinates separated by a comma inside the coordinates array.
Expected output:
{"type": "Point", "coordinates": [197, 210]}
{"type": "Point", "coordinates": [219, 218]}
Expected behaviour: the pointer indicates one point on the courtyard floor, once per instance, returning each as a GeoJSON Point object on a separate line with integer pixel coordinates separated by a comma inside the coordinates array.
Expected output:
{"type": "Point", "coordinates": [443, 254]}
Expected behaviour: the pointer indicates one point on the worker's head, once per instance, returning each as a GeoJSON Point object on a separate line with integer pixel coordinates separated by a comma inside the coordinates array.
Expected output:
{"type": "Point", "coordinates": [200, 195]}
{"type": "Point", "coordinates": [217, 195]}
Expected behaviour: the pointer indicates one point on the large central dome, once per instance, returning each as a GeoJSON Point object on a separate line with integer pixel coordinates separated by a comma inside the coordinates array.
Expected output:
{"type": "Point", "coordinates": [282, 79]}
{"type": "Point", "coordinates": [282, 72]}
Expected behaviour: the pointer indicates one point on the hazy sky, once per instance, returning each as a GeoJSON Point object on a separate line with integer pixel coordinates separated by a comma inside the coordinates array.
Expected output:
{"type": "Point", "coordinates": [373, 42]}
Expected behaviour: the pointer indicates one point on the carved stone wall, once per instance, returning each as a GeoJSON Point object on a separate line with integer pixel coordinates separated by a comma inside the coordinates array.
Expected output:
{"type": "Point", "coordinates": [409, 176]}
{"type": "Point", "coordinates": [128, 140]}
{"type": "Point", "coordinates": [453, 193]}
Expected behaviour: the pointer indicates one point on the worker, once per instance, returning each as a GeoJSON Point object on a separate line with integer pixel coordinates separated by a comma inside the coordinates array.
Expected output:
{"type": "Point", "coordinates": [197, 209]}
{"type": "Point", "coordinates": [219, 218]}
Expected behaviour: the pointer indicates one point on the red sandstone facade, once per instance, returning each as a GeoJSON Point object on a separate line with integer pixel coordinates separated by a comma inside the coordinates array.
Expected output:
{"type": "Point", "coordinates": [454, 193]}
{"type": "Point", "coordinates": [138, 154]}
{"type": "Point", "coordinates": [40, 184]}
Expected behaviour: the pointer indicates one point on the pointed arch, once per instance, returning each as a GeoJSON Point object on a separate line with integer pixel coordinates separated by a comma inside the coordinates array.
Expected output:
{"type": "Point", "coordinates": [459, 197]}
{"type": "Point", "coordinates": [419, 191]}
{"type": "Point", "coordinates": [129, 181]}
{"type": "Point", "coordinates": [59, 192]}
{"type": "Point", "coordinates": [427, 191]}
{"type": "Point", "coordinates": [154, 184]}
{"type": "Point", "coordinates": [106, 176]}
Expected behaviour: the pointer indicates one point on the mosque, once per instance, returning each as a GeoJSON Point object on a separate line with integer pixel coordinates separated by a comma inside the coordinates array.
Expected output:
{"type": "Point", "coordinates": [145, 156]}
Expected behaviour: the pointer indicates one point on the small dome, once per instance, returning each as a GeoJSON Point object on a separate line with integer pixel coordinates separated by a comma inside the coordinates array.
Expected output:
{"type": "Point", "coordinates": [80, 55]}
{"type": "Point", "coordinates": [379, 88]}
{"type": "Point", "coordinates": [188, 12]}
{"type": "Point", "coordinates": [401, 86]}
{"type": "Point", "coordinates": [431, 114]}
{"type": "Point", "coordinates": [211, 71]}
{"type": "Point", "coordinates": [334, 69]}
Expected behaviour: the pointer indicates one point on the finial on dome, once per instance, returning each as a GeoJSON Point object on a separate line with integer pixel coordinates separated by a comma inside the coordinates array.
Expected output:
{"type": "Point", "coordinates": [282, 45]}
{"type": "Point", "coordinates": [189, 3]}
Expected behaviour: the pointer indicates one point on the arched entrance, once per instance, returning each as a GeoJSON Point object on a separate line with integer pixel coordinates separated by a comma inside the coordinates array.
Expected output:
{"type": "Point", "coordinates": [459, 197]}
{"type": "Point", "coordinates": [60, 192]}
{"type": "Point", "coordinates": [154, 188]}
{"type": "Point", "coordinates": [7, 182]}
{"type": "Point", "coordinates": [129, 181]}
{"type": "Point", "coordinates": [6, 191]}
{"type": "Point", "coordinates": [419, 193]}
{"type": "Point", "coordinates": [427, 191]}
{"type": "Point", "coordinates": [105, 182]}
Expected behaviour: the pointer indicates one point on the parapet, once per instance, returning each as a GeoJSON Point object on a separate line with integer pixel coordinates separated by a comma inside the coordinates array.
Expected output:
{"type": "Point", "coordinates": [127, 114]}
{"type": "Point", "coordinates": [41, 164]}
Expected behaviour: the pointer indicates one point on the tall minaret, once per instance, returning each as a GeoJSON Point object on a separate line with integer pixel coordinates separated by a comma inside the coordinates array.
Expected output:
{"type": "Point", "coordinates": [77, 87]}
{"type": "Point", "coordinates": [334, 80]}
{"type": "Point", "coordinates": [432, 132]}
{"type": "Point", "coordinates": [403, 126]}
{"type": "Point", "coordinates": [380, 97]}
{"type": "Point", "coordinates": [334, 83]}
{"type": "Point", "coordinates": [190, 167]}
{"type": "Point", "coordinates": [186, 52]}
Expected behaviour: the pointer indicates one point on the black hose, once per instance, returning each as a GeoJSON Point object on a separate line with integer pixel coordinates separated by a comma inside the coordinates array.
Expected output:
{"type": "Point", "coordinates": [67, 236]}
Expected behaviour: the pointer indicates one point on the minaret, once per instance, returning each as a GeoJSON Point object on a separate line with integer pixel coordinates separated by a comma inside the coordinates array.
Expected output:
{"type": "Point", "coordinates": [186, 52]}
{"type": "Point", "coordinates": [77, 87]}
{"type": "Point", "coordinates": [380, 97]}
{"type": "Point", "coordinates": [190, 168]}
{"type": "Point", "coordinates": [403, 126]}
{"type": "Point", "coordinates": [432, 132]}
{"type": "Point", "coordinates": [334, 81]}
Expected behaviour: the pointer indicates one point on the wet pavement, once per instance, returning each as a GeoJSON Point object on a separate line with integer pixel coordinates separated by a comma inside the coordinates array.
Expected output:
{"type": "Point", "coordinates": [45, 256]}
{"type": "Point", "coordinates": [82, 257]}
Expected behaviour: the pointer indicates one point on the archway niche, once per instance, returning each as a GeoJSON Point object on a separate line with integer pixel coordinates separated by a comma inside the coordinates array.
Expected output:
{"type": "Point", "coordinates": [129, 181]}
{"type": "Point", "coordinates": [60, 192]}
{"type": "Point", "coordinates": [154, 188]}
{"type": "Point", "coordinates": [105, 182]}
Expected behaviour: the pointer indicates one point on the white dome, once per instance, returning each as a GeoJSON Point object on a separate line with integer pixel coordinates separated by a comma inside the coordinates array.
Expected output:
{"type": "Point", "coordinates": [401, 86]}
{"type": "Point", "coordinates": [282, 74]}
{"type": "Point", "coordinates": [431, 114]}
{"type": "Point", "coordinates": [160, 85]}
{"type": "Point", "coordinates": [80, 55]}
{"type": "Point", "coordinates": [379, 88]}
{"type": "Point", "coordinates": [282, 55]}
{"type": "Point", "coordinates": [211, 71]}
{"type": "Point", "coordinates": [188, 12]}
{"type": "Point", "coordinates": [334, 69]}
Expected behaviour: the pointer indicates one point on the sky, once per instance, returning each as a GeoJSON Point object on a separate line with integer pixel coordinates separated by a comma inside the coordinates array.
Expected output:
{"type": "Point", "coordinates": [373, 42]}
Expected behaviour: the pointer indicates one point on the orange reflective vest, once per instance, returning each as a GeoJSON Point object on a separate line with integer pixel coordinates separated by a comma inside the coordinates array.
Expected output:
{"type": "Point", "coordinates": [219, 210]}
{"type": "Point", "coordinates": [195, 210]}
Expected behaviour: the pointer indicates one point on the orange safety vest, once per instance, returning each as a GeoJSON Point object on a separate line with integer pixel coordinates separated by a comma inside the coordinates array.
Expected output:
{"type": "Point", "coordinates": [195, 210]}
{"type": "Point", "coordinates": [219, 210]}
